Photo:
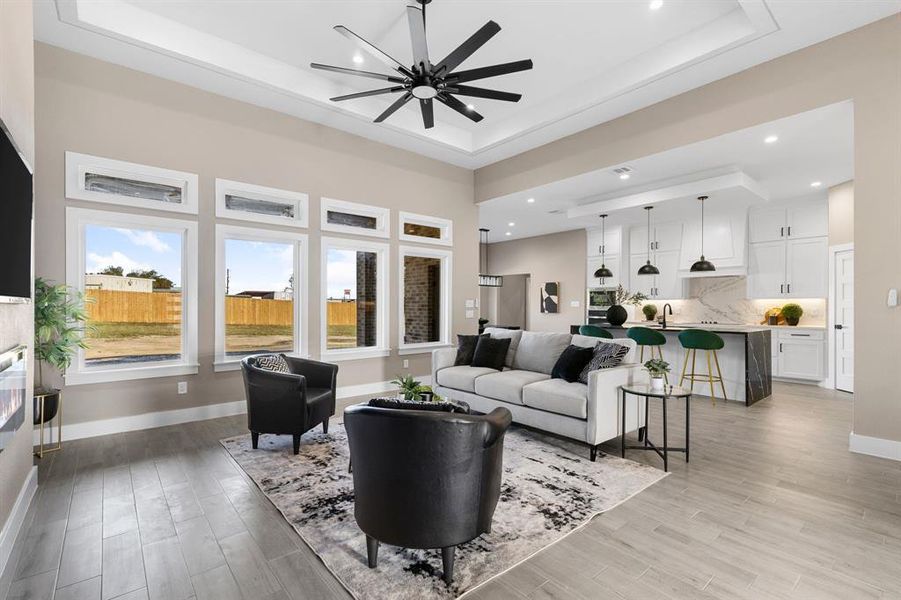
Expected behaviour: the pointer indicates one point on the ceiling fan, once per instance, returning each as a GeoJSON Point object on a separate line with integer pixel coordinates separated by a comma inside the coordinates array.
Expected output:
{"type": "Point", "coordinates": [426, 80]}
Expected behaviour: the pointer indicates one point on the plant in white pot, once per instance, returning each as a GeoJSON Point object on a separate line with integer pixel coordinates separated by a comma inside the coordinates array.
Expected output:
{"type": "Point", "coordinates": [657, 368]}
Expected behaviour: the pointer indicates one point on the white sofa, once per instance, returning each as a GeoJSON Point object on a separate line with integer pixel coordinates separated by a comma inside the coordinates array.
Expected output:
{"type": "Point", "coordinates": [587, 413]}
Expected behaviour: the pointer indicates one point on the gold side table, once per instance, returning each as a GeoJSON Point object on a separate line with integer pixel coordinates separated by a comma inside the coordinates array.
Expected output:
{"type": "Point", "coordinates": [43, 398]}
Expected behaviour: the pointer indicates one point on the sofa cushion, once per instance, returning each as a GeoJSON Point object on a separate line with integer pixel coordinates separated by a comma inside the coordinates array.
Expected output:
{"type": "Point", "coordinates": [462, 377]}
{"type": "Point", "coordinates": [506, 386]}
{"type": "Point", "coordinates": [466, 348]}
{"type": "Point", "coordinates": [606, 356]}
{"type": "Point", "coordinates": [538, 351]}
{"type": "Point", "coordinates": [558, 396]}
{"type": "Point", "coordinates": [490, 352]}
{"type": "Point", "coordinates": [513, 334]}
{"type": "Point", "coordinates": [571, 362]}
{"type": "Point", "coordinates": [587, 341]}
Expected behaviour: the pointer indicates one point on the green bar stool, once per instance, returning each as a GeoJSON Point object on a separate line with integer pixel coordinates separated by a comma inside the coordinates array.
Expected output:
{"type": "Point", "coordinates": [645, 336]}
{"type": "Point", "coordinates": [701, 339]}
{"type": "Point", "coordinates": [595, 331]}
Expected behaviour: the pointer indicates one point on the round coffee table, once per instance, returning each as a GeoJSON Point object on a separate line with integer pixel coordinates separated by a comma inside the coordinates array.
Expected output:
{"type": "Point", "coordinates": [668, 391]}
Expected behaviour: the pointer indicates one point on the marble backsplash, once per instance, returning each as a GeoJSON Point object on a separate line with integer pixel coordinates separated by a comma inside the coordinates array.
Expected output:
{"type": "Point", "coordinates": [724, 299]}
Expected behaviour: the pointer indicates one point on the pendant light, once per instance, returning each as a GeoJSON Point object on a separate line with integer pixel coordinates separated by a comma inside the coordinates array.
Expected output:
{"type": "Point", "coordinates": [648, 268]}
{"type": "Point", "coordinates": [484, 279]}
{"type": "Point", "coordinates": [603, 272]}
{"type": "Point", "coordinates": [702, 265]}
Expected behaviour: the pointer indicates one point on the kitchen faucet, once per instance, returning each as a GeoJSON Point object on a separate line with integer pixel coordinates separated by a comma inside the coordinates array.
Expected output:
{"type": "Point", "coordinates": [665, 306]}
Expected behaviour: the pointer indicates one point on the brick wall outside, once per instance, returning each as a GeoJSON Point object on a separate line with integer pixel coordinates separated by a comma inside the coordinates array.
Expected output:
{"type": "Point", "coordinates": [367, 315]}
{"type": "Point", "coordinates": [422, 299]}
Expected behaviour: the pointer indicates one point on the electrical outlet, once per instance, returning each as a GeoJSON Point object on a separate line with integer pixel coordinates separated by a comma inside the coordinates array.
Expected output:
{"type": "Point", "coordinates": [182, 387]}
{"type": "Point", "coordinates": [406, 363]}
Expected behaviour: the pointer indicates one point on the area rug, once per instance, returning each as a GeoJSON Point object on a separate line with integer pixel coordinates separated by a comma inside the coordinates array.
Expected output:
{"type": "Point", "coordinates": [549, 489]}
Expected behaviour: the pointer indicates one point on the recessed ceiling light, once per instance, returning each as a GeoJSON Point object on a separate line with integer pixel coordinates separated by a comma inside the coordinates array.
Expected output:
{"type": "Point", "coordinates": [771, 139]}
{"type": "Point", "coordinates": [624, 176]}
{"type": "Point", "coordinates": [358, 59]}
{"type": "Point", "coordinates": [508, 233]}
{"type": "Point", "coordinates": [470, 107]}
{"type": "Point", "coordinates": [816, 184]}
{"type": "Point", "coordinates": [655, 4]}
{"type": "Point", "coordinates": [511, 224]}
{"type": "Point", "coordinates": [530, 200]}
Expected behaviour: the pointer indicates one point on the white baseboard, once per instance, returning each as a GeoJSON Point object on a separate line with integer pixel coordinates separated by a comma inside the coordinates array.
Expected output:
{"type": "Point", "coordinates": [163, 418]}
{"type": "Point", "coordinates": [13, 524]}
{"type": "Point", "coordinates": [863, 444]}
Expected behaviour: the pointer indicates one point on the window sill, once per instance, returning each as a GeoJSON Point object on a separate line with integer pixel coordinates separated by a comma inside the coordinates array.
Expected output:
{"type": "Point", "coordinates": [342, 355]}
{"type": "Point", "coordinates": [421, 348]}
{"type": "Point", "coordinates": [128, 374]}
{"type": "Point", "coordinates": [223, 366]}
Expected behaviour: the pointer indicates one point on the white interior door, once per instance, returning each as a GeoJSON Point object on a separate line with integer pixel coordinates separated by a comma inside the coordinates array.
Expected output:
{"type": "Point", "coordinates": [844, 320]}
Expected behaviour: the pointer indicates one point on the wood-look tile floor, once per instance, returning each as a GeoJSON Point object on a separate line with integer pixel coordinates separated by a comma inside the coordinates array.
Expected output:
{"type": "Point", "coordinates": [772, 505]}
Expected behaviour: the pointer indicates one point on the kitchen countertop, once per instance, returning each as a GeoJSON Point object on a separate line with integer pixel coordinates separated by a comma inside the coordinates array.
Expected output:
{"type": "Point", "coordinates": [715, 327]}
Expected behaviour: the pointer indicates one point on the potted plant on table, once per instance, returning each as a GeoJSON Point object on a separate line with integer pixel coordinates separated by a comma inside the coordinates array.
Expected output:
{"type": "Point", "coordinates": [792, 313]}
{"type": "Point", "coordinates": [650, 311]}
{"type": "Point", "coordinates": [617, 314]}
{"type": "Point", "coordinates": [657, 368]}
{"type": "Point", "coordinates": [412, 389]}
{"type": "Point", "coordinates": [59, 317]}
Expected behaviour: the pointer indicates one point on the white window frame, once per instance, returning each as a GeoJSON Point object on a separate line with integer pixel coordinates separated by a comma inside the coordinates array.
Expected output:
{"type": "Point", "coordinates": [76, 221]}
{"type": "Point", "coordinates": [78, 165]}
{"type": "Point", "coordinates": [445, 225]}
{"type": "Point", "coordinates": [223, 362]}
{"type": "Point", "coordinates": [381, 348]}
{"type": "Point", "coordinates": [382, 216]}
{"type": "Point", "coordinates": [227, 187]}
{"type": "Point", "coordinates": [446, 257]}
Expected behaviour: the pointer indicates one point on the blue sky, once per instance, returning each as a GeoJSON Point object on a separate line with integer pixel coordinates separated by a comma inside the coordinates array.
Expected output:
{"type": "Point", "coordinates": [260, 266]}
{"type": "Point", "coordinates": [133, 249]}
{"type": "Point", "coordinates": [341, 273]}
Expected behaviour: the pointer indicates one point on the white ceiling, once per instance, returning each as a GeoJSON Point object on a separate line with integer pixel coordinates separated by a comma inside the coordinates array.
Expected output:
{"type": "Point", "coordinates": [594, 60]}
{"type": "Point", "coordinates": [817, 145]}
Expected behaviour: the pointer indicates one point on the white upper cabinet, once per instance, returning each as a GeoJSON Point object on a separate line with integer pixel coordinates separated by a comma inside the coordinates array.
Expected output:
{"type": "Point", "coordinates": [638, 240]}
{"type": "Point", "coordinates": [640, 283]}
{"type": "Point", "coordinates": [668, 285]}
{"type": "Point", "coordinates": [807, 271]}
{"type": "Point", "coordinates": [724, 242]}
{"type": "Point", "coordinates": [766, 270]}
{"type": "Point", "coordinates": [612, 244]}
{"type": "Point", "coordinates": [668, 237]}
{"type": "Point", "coordinates": [767, 224]}
{"type": "Point", "coordinates": [613, 263]}
{"type": "Point", "coordinates": [797, 219]}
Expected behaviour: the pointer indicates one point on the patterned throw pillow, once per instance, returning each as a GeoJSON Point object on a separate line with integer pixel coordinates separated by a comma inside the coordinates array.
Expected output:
{"type": "Point", "coordinates": [273, 362]}
{"type": "Point", "coordinates": [605, 356]}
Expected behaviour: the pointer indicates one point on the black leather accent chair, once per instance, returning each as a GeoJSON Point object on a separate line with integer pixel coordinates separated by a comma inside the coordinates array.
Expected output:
{"type": "Point", "coordinates": [288, 403]}
{"type": "Point", "coordinates": [425, 479]}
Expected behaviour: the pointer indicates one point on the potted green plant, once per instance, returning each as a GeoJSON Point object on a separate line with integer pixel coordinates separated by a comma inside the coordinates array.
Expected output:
{"type": "Point", "coordinates": [657, 368]}
{"type": "Point", "coordinates": [409, 388]}
{"type": "Point", "coordinates": [617, 314]}
{"type": "Point", "coordinates": [59, 326]}
{"type": "Point", "coordinates": [650, 311]}
{"type": "Point", "coordinates": [792, 313]}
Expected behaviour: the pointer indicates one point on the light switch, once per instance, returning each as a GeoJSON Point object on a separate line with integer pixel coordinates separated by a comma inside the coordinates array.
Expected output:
{"type": "Point", "coordinates": [470, 314]}
{"type": "Point", "coordinates": [574, 303]}
{"type": "Point", "coordinates": [470, 304]}
{"type": "Point", "coordinates": [892, 297]}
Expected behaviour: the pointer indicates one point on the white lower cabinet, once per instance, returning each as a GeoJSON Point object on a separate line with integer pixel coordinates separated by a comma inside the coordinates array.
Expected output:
{"type": "Point", "coordinates": [800, 354]}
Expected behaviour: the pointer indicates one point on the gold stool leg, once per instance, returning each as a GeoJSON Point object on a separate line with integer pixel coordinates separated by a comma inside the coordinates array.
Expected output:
{"type": "Point", "coordinates": [684, 366]}
{"type": "Point", "coordinates": [691, 378]}
{"type": "Point", "coordinates": [41, 447]}
{"type": "Point", "coordinates": [641, 356]}
{"type": "Point", "coordinates": [710, 378]}
{"type": "Point", "coordinates": [720, 373]}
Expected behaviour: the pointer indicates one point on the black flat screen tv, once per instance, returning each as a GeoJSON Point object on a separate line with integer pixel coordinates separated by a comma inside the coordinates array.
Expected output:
{"type": "Point", "coordinates": [16, 199]}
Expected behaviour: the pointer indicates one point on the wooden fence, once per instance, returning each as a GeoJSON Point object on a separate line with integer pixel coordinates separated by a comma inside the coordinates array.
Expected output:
{"type": "Point", "coordinates": [111, 306]}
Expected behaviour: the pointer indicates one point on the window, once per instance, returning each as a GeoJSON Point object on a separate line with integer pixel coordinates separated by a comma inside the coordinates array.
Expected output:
{"type": "Point", "coordinates": [139, 276]}
{"type": "Point", "coordinates": [260, 290]}
{"type": "Point", "coordinates": [248, 202]}
{"type": "Point", "coordinates": [421, 228]}
{"type": "Point", "coordinates": [350, 217]}
{"type": "Point", "coordinates": [118, 182]}
{"type": "Point", "coordinates": [424, 308]}
{"type": "Point", "coordinates": [355, 311]}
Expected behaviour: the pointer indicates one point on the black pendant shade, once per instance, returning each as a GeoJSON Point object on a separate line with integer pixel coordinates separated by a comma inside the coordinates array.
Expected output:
{"type": "Point", "coordinates": [648, 268]}
{"type": "Point", "coordinates": [702, 265]}
{"type": "Point", "coordinates": [603, 272]}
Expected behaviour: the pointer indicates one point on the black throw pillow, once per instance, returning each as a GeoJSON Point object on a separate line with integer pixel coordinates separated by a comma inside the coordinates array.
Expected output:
{"type": "Point", "coordinates": [401, 403]}
{"type": "Point", "coordinates": [491, 352]}
{"type": "Point", "coordinates": [571, 362]}
{"type": "Point", "coordinates": [466, 348]}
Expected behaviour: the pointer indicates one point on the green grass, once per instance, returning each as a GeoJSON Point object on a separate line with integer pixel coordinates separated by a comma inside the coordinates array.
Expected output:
{"type": "Point", "coordinates": [259, 330]}
{"type": "Point", "coordinates": [119, 331]}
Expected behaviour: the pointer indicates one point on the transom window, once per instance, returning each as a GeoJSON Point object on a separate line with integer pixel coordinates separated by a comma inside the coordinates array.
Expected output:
{"type": "Point", "coordinates": [248, 202]}
{"type": "Point", "coordinates": [353, 218]}
{"type": "Point", "coordinates": [425, 229]}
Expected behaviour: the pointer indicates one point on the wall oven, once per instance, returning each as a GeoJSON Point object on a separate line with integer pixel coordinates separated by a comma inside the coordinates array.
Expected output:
{"type": "Point", "coordinates": [599, 300]}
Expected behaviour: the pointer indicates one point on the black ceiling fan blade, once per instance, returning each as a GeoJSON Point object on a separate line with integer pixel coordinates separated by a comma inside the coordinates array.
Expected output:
{"type": "Point", "coordinates": [467, 48]}
{"type": "Point", "coordinates": [378, 92]}
{"type": "Point", "coordinates": [477, 92]}
{"type": "Point", "coordinates": [428, 112]}
{"type": "Point", "coordinates": [393, 108]}
{"type": "Point", "coordinates": [458, 106]}
{"type": "Point", "coordinates": [370, 74]}
{"type": "Point", "coordinates": [417, 35]}
{"type": "Point", "coordinates": [372, 50]}
{"type": "Point", "coordinates": [492, 71]}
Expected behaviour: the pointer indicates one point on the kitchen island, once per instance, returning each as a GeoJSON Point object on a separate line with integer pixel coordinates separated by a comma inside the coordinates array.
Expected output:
{"type": "Point", "coordinates": [745, 360]}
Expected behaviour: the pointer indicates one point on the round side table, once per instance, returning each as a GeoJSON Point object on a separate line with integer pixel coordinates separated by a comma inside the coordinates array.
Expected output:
{"type": "Point", "coordinates": [668, 391]}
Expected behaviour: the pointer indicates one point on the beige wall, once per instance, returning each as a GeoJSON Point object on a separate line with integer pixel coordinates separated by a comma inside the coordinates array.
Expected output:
{"type": "Point", "coordinates": [98, 108]}
{"type": "Point", "coordinates": [864, 66]}
{"type": "Point", "coordinates": [564, 263]}
{"type": "Point", "coordinates": [16, 320]}
{"type": "Point", "coordinates": [841, 213]}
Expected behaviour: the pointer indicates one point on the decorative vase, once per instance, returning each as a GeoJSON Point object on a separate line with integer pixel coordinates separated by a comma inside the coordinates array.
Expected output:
{"type": "Point", "coordinates": [657, 383]}
{"type": "Point", "coordinates": [649, 317]}
{"type": "Point", "coordinates": [792, 321]}
{"type": "Point", "coordinates": [426, 396]}
{"type": "Point", "coordinates": [51, 405]}
{"type": "Point", "coordinates": [617, 315]}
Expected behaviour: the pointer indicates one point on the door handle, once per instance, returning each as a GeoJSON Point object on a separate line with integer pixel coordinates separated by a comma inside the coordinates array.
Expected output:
{"type": "Point", "coordinates": [839, 326]}
{"type": "Point", "coordinates": [780, 346]}
{"type": "Point", "coordinates": [789, 231]}
{"type": "Point", "coordinates": [788, 288]}
{"type": "Point", "coordinates": [782, 232]}
{"type": "Point", "coordinates": [781, 288]}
